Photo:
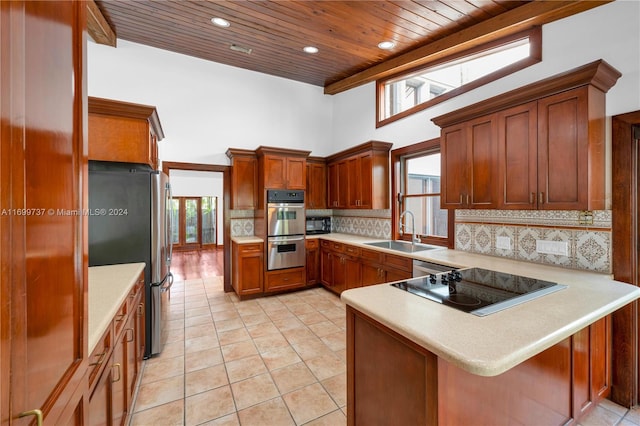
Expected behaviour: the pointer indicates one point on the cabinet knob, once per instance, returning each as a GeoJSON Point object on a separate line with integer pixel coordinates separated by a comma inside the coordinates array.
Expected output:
{"type": "Point", "coordinates": [541, 198]}
{"type": "Point", "coordinates": [117, 366]}
{"type": "Point", "coordinates": [36, 412]}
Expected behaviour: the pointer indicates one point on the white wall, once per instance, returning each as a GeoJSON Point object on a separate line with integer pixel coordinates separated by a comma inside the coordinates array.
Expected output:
{"type": "Point", "coordinates": [189, 183]}
{"type": "Point", "coordinates": [206, 107]}
{"type": "Point", "coordinates": [610, 32]}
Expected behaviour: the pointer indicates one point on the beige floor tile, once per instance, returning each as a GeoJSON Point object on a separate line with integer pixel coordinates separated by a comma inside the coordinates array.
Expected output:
{"type": "Point", "coordinates": [270, 342]}
{"type": "Point", "coordinates": [196, 301]}
{"type": "Point", "coordinates": [263, 329]}
{"type": "Point", "coordinates": [612, 406]}
{"type": "Point", "coordinates": [162, 368]}
{"type": "Point", "coordinates": [269, 413]}
{"type": "Point", "coordinates": [334, 418]}
{"type": "Point", "coordinates": [254, 319]}
{"type": "Point", "coordinates": [253, 391]}
{"type": "Point", "coordinates": [336, 386]}
{"type": "Point", "coordinates": [633, 416]}
{"type": "Point", "coordinates": [244, 368]}
{"type": "Point", "coordinates": [342, 354]}
{"type": "Point", "coordinates": [311, 348]}
{"type": "Point", "coordinates": [205, 379]}
{"type": "Point", "coordinates": [230, 324]}
{"type": "Point", "coordinates": [309, 403]}
{"type": "Point", "coordinates": [196, 312]}
{"type": "Point", "coordinates": [159, 392]}
{"type": "Point", "coordinates": [176, 335]}
{"type": "Point", "coordinates": [297, 334]}
{"type": "Point", "coordinates": [326, 366]}
{"type": "Point", "coordinates": [233, 336]}
{"type": "Point", "coordinates": [199, 330]}
{"type": "Point", "coordinates": [280, 357]}
{"type": "Point", "coordinates": [292, 377]}
{"type": "Point", "coordinates": [208, 405]}
{"type": "Point", "coordinates": [248, 309]}
{"type": "Point", "coordinates": [310, 318]}
{"type": "Point", "coordinates": [324, 328]}
{"type": "Point", "coordinates": [169, 414]}
{"type": "Point", "coordinates": [200, 319]}
{"type": "Point", "coordinates": [335, 341]}
{"type": "Point", "coordinates": [202, 359]}
{"type": "Point", "coordinates": [281, 315]}
{"type": "Point", "coordinates": [334, 313]}
{"type": "Point", "coordinates": [225, 315]}
{"type": "Point", "coordinates": [222, 306]}
{"type": "Point", "coordinates": [229, 420]}
{"type": "Point", "coordinates": [177, 324]}
{"type": "Point", "coordinates": [200, 343]}
{"type": "Point", "coordinates": [172, 349]}
{"type": "Point", "coordinates": [301, 308]}
{"type": "Point", "coordinates": [600, 416]}
{"type": "Point", "coordinates": [238, 350]}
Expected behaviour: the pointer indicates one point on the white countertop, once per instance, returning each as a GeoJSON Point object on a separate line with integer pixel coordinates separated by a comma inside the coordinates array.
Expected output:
{"type": "Point", "coordinates": [490, 345]}
{"type": "Point", "coordinates": [108, 288]}
{"type": "Point", "coordinates": [247, 239]}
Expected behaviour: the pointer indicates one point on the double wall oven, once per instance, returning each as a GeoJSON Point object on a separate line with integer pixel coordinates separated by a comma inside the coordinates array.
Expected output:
{"type": "Point", "coordinates": [285, 229]}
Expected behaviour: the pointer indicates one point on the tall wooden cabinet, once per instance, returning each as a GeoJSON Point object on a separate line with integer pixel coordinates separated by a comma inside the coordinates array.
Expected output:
{"type": "Point", "coordinates": [123, 132]}
{"type": "Point", "coordinates": [282, 168]}
{"type": "Point", "coordinates": [359, 177]}
{"type": "Point", "coordinates": [43, 171]}
{"type": "Point", "coordinates": [316, 196]}
{"type": "Point", "coordinates": [539, 147]}
{"type": "Point", "coordinates": [244, 169]}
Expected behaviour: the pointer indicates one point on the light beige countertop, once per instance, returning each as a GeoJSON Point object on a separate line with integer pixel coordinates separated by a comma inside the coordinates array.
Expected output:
{"type": "Point", "coordinates": [108, 288]}
{"type": "Point", "coordinates": [247, 240]}
{"type": "Point", "coordinates": [493, 344]}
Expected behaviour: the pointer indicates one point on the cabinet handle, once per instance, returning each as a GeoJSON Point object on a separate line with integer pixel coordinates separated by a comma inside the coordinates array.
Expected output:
{"type": "Point", "coordinates": [541, 198]}
{"type": "Point", "coordinates": [140, 307]}
{"type": "Point", "coordinates": [117, 365]}
{"type": "Point", "coordinates": [532, 197]}
{"type": "Point", "coordinates": [461, 202]}
{"type": "Point", "coordinates": [100, 359]}
{"type": "Point", "coordinates": [120, 317]}
{"type": "Point", "coordinates": [468, 199]}
{"type": "Point", "coordinates": [129, 339]}
{"type": "Point", "coordinates": [36, 412]}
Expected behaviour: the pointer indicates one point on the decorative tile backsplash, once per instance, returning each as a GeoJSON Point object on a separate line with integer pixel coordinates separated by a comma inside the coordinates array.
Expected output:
{"type": "Point", "coordinates": [589, 248]}
{"type": "Point", "coordinates": [368, 223]}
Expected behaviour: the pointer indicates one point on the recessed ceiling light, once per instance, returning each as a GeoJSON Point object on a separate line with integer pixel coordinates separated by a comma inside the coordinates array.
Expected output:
{"type": "Point", "coordinates": [310, 49]}
{"type": "Point", "coordinates": [242, 49]}
{"type": "Point", "coordinates": [220, 22]}
{"type": "Point", "coordinates": [386, 45]}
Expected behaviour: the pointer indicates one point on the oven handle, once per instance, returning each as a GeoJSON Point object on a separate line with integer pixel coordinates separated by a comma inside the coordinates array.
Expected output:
{"type": "Point", "coordinates": [286, 205]}
{"type": "Point", "coordinates": [286, 239]}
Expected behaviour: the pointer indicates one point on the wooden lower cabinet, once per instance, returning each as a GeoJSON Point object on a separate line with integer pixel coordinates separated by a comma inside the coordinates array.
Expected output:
{"type": "Point", "coordinates": [391, 380]}
{"type": "Point", "coordinates": [116, 361]}
{"type": "Point", "coordinates": [285, 279]}
{"type": "Point", "coordinates": [312, 247]}
{"type": "Point", "coordinates": [247, 268]}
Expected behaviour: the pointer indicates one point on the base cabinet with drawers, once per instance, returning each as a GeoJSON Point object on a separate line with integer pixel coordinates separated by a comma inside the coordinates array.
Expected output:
{"type": "Point", "coordinates": [247, 268]}
{"type": "Point", "coordinates": [115, 363]}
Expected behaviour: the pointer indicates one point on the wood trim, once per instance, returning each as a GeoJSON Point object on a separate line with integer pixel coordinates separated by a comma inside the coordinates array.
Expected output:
{"type": "Point", "coordinates": [510, 22]}
{"type": "Point", "coordinates": [167, 166]}
{"type": "Point", "coordinates": [286, 152]}
{"type": "Point", "coordinates": [598, 74]}
{"type": "Point", "coordinates": [103, 106]}
{"type": "Point", "coordinates": [98, 26]}
{"type": "Point", "coordinates": [625, 257]}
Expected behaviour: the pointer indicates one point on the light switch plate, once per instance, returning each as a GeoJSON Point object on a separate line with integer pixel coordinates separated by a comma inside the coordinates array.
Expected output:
{"type": "Point", "coordinates": [552, 247]}
{"type": "Point", "coordinates": [503, 243]}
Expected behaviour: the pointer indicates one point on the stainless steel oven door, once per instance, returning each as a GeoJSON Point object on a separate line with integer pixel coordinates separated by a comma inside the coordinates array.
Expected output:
{"type": "Point", "coordinates": [285, 252]}
{"type": "Point", "coordinates": [285, 219]}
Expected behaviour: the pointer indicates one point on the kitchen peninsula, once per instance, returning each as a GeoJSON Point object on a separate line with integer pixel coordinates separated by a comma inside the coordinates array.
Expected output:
{"type": "Point", "coordinates": [547, 361]}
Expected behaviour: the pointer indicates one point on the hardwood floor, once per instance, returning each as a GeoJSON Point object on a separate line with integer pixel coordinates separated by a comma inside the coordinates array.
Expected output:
{"type": "Point", "coordinates": [193, 264]}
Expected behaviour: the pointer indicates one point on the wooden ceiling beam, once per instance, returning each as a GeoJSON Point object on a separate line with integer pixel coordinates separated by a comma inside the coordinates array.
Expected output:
{"type": "Point", "coordinates": [98, 27]}
{"type": "Point", "coordinates": [510, 22]}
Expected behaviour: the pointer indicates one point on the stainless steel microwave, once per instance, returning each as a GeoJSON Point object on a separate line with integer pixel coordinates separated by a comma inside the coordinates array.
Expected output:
{"type": "Point", "coordinates": [318, 225]}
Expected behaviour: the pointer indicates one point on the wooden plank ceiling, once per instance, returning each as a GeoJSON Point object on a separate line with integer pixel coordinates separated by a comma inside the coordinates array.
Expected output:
{"type": "Point", "coordinates": [347, 33]}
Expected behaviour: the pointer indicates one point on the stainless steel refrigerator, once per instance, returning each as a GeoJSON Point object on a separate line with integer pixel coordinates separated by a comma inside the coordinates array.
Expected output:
{"type": "Point", "coordinates": [130, 221]}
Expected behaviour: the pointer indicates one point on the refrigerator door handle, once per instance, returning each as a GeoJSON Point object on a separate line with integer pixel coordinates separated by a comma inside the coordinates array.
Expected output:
{"type": "Point", "coordinates": [168, 234]}
{"type": "Point", "coordinates": [169, 280]}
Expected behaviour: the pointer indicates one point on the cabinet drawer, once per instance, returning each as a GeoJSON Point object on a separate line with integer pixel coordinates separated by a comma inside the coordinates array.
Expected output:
{"type": "Point", "coordinates": [250, 248]}
{"type": "Point", "coordinates": [120, 318]}
{"type": "Point", "coordinates": [285, 279]}
{"type": "Point", "coordinates": [398, 262]}
{"type": "Point", "coordinates": [352, 250]}
{"type": "Point", "coordinates": [99, 356]}
{"type": "Point", "coordinates": [325, 244]}
{"type": "Point", "coordinates": [371, 255]}
{"type": "Point", "coordinates": [311, 244]}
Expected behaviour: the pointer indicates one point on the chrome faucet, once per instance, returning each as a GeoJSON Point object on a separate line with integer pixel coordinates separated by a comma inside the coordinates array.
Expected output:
{"type": "Point", "coordinates": [402, 228]}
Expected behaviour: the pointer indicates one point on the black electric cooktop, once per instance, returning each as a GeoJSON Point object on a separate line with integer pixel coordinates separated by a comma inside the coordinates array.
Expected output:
{"type": "Point", "coordinates": [478, 291]}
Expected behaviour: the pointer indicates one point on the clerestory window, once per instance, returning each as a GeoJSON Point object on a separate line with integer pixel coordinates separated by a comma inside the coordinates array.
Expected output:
{"type": "Point", "coordinates": [416, 90]}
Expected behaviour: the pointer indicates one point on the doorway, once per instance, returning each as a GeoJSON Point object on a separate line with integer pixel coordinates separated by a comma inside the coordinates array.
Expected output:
{"type": "Point", "coordinates": [223, 207]}
{"type": "Point", "coordinates": [625, 147]}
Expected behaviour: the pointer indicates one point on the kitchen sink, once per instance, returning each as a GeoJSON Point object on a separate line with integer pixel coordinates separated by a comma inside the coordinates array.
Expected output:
{"type": "Point", "coordinates": [401, 245]}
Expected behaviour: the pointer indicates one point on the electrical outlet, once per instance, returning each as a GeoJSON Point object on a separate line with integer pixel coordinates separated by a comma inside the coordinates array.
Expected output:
{"type": "Point", "coordinates": [503, 243]}
{"type": "Point", "coordinates": [552, 247]}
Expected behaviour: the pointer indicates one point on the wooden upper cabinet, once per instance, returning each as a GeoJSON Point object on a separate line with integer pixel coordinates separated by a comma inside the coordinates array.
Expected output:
{"type": "Point", "coordinates": [123, 132]}
{"type": "Point", "coordinates": [359, 177]}
{"type": "Point", "coordinates": [282, 168]}
{"type": "Point", "coordinates": [244, 169]}
{"type": "Point", "coordinates": [316, 183]}
{"type": "Point", "coordinates": [548, 139]}
{"type": "Point", "coordinates": [469, 159]}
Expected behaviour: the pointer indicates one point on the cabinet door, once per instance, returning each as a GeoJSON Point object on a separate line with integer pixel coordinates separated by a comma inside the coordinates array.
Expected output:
{"type": "Point", "coordinates": [332, 185]}
{"type": "Point", "coordinates": [119, 386]}
{"type": "Point", "coordinates": [248, 269]}
{"type": "Point", "coordinates": [43, 285]}
{"type": "Point", "coordinates": [482, 163]}
{"type": "Point", "coordinates": [342, 183]}
{"type": "Point", "coordinates": [454, 160]}
{"type": "Point", "coordinates": [353, 183]}
{"type": "Point", "coordinates": [371, 274]}
{"type": "Point", "coordinates": [243, 183]}
{"type": "Point", "coordinates": [130, 364]}
{"type": "Point", "coordinates": [365, 164]}
{"type": "Point", "coordinates": [275, 172]}
{"type": "Point", "coordinates": [100, 411]}
{"type": "Point", "coordinates": [316, 186]}
{"type": "Point", "coordinates": [563, 151]}
{"type": "Point", "coordinates": [518, 157]}
{"type": "Point", "coordinates": [313, 262]}
{"type": "Point", "coordinates": [326, 268]}
{"type": "Point", "coordinates": [296, 172]}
